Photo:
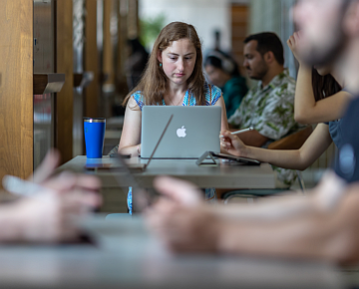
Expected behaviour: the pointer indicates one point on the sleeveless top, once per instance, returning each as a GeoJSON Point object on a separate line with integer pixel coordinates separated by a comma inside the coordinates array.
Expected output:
{"type": "Point", "coordinates": [335, 132]}
{"type": "Point", "coordinates": [212, 95]}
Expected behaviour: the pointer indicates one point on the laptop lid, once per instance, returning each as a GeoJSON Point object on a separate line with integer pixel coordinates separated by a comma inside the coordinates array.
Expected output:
{"type": "Point", "coordinates": [193, 130]}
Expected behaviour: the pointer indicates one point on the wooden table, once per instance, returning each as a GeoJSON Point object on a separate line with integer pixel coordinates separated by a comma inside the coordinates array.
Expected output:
{"type": "Point", "coordinates": [224, 176]}
{"type": "Point", "coordinates": [126, 256]}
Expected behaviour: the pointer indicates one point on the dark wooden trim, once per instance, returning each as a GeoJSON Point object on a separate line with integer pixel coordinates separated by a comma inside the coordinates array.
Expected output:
{"type": "Point", "coordinates": [91, 60]}
{"type": "Point", "coordinates": [64, 65]}
{"type": "Point", "coordinates": [48, 83]}
{"type": "Point", "coordinates": [83, 79]}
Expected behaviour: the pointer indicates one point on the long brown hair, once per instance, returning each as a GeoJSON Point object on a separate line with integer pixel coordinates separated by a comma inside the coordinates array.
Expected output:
{"type": "Point", "coordinates": [324, 86]}
{"type": "Point", "coordinates": [154, 81]}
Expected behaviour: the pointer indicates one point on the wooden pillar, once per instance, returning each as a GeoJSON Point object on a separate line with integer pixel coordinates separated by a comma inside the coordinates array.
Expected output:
{"type": "Point", "coordinates": [133, 19]}
{"type": "Point", "coordinates": [108, 61]}
{"type": "Point", "coordinates": [16, 88]}
{"type": "Point", "coordinates": [91, 62]}
{"type": "Point", "coordinates": [122, 32]}
{"type": "Point", "coordinates": [64, 64]}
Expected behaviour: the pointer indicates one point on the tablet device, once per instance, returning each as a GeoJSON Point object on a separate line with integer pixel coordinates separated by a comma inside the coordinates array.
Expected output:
{"type": "Point", "coordinates": [243, 160]}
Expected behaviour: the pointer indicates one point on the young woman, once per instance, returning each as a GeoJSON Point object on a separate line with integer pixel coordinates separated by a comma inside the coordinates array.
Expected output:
{"type": "Point", "coordinates": [312, 110]}
{"type": "Point", "coordinates": [223, 72]}
{"type": "Point", "coordinates": [173, 76]}
{"type": "Point", "coordinates": [321, 88]}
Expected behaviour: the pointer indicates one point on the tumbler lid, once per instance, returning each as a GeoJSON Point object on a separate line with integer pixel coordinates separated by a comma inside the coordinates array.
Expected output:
{"type": "Point", "coordinates": [94, 119]}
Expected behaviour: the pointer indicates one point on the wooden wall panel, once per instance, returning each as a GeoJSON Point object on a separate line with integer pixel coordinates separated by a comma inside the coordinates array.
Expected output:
{"type": "Point", "coordinates": [122, 34]}
{"type": "Point", "coordinates": [16, 88]}
{"type": "Point", "coordinates": [240, 15]}
{"type": "Point", "coordinates": [108, 58]}
{"type": "Point", "coordinates": [64, 64]}
{"type": "Point", "coordinates": [91, 93]}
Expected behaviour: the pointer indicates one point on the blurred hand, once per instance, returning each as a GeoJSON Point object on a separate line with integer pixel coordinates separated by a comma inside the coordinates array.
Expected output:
{"type": "Point", "coordinates": [50, 215]}
{"type": "Point", "coordinates": [232, 144]}
{"type": "Point", "coordinates": [183, 229]}
{"type": "Point", "coordinates": [178, 192]}
{"type": "Point", "coordinates": [64, 182]}
{"type": "Point", "coordinates": [293, 43]}
{"type": "Point", "coordinates": [177, 220]}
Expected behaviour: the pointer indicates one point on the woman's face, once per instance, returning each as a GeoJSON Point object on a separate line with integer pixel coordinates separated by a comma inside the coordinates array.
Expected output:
{"type": "Point", "coordinates": [216, 75]}
{"type": "Point", "coordinates": [178, 61]}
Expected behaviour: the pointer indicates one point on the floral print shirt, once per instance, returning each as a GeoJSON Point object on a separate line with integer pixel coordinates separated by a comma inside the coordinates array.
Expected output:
{"type": "Point", "coordinates": [270, 111]}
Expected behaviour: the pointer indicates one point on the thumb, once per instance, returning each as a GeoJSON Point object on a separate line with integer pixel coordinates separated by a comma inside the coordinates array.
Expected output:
{"type": "Point", "coordinates": [178, 191]}
{"type": "Point", "coordinates": [47, 167]}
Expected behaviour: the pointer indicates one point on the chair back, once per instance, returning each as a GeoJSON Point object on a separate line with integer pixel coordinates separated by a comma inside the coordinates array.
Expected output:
{"type": "Point", "coordinates": [293, 141]}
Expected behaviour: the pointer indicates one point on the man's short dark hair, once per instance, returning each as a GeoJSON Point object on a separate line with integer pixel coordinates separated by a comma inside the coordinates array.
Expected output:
{"type": "Point", "coordinates": [268, 41]}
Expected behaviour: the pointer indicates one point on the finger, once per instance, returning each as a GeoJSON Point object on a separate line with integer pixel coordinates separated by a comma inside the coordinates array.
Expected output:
{"type": "Point", "coordinates": [66, 181]}
{"type": "Point", "coordinates": [229, 137]}
{"type": "Point", "coordinates": [292, 40]}
{"type": "Point", "coordinates": [180, 191]}
{"type": "Point", "coordinates": [88, 182]}
{"type": "Point", "coordinates": [47, 167]}
{"type": "Point", "coordinates": [81, 198]}
{"type": "Point", "coordinates": [224, 133]}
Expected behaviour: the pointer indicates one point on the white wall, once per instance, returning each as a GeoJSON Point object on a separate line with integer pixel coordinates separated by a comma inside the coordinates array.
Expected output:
{"type": "Point", "coordinates": [205, 15]}
{"type": "Point", "coordinates": [274, 16]}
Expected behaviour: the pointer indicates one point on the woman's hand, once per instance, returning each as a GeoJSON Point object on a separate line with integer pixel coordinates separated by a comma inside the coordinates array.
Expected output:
{"type": "Point", "coordinates": [293, 43]}
{"type": "Point", "coordinates": [232, 144]}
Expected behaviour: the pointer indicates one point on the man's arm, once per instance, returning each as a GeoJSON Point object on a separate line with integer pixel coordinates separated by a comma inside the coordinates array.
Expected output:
{"type": "Point", "coordinates": [324, 197]}
{"type": "Point", "coordinates": [321, 234]}
{"type": "Point", "coordinates": [327, 235]}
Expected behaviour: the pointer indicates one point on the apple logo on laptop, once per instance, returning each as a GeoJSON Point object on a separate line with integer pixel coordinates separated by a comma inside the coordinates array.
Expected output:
{"type": "Point", "coordinates": [181, 132]}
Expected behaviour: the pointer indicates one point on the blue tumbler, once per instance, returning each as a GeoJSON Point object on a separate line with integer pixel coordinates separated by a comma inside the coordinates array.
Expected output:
{"type": "Point", "coordinates": [94, 129]}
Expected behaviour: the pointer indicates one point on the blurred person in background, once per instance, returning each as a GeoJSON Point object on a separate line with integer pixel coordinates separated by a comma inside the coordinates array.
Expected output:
{"type": "Point", "coordinates": [312, 104]}
{"type": "Point", "coordinates": [318, 97]}
{"type": "Point", "coordinates": [136, 62]}
{"type": "Point", "coordinates": [50, 215]}
{"type": "Point", "coordinates": [222, 71]}
{"type": "Point", "coordinates": [268, 107]}
{"type": "Point", "coordinates": [321, 225]}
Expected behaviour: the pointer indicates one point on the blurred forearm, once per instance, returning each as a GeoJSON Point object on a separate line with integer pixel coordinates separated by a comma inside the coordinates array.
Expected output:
{"type": "Point", "coordinates": [10, 223]}
{"type": "Point", "coordinates": [271, 209]}
{"type": "Point", "coordinates": [332, 236]}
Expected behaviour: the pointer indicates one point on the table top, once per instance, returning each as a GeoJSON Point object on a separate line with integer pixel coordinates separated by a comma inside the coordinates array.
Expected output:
{"type": "Point", "coordinates": [126, 256]}
{"type": "Point", "coordinates": [225, 175]}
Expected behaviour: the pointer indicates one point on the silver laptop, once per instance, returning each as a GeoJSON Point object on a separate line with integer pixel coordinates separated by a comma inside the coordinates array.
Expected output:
{"type": "Point", "coordinates": [193, 130]}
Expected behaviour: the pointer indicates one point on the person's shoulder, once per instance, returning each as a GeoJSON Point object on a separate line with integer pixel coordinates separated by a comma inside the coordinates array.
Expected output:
{"type": "Point", "coordinates": [137, 96]}
{"type": "Point", "coordinates": [211, 89]}
{"type": "Point", "coordinates": [285, 85]}
{"type": "Point", "coordinates": [212, 93]}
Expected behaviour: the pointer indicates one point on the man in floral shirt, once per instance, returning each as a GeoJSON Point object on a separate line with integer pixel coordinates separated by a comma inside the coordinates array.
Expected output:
{"type": "Point", "coordinates": [269, 106]}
